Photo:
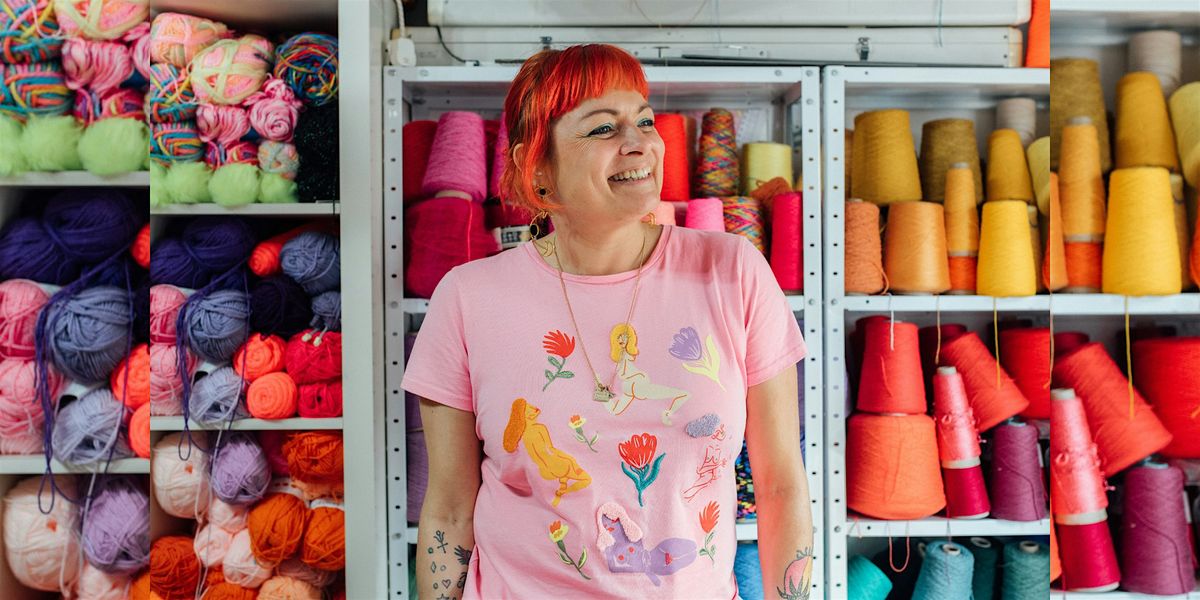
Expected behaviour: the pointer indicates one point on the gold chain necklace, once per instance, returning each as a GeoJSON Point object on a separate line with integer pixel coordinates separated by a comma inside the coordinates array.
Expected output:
{"type": "Point", "coordinates": [602, 392]}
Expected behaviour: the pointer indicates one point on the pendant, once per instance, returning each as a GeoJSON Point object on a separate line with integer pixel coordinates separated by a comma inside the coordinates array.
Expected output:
{"type": "Point", "coordinates": [602, 394]}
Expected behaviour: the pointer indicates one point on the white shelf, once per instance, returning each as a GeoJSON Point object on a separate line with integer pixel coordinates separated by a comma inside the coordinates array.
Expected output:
{"type": "Point", "coordinates": [296, 209]}
{"type": "Point", "coordinates": [1109, 304]}
{"type": "Point", "coordinates": [935, 526]}
{"type": "Point", "coordinates": [1140, 14]}
{"type": "Point", "coordinates": [36, 465]}
{"type": "Point", "coordinates": [876, 304]}
{"type": "Point", "coordinates": [299, 424]}
{"type": "Point", "coordinates": [1118, 595]}
{"type": "Point", "coordinates": [76, 179]}
{"type": "Point", "coordinates": [420, 306]}
{"type": "Point", "coordinates": [745, 532]}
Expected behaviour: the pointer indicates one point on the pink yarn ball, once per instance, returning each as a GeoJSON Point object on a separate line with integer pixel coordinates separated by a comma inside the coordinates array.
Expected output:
{"type": "Point", "coordinates": [240, 566]}
{"type": "Point", "coordinates": [274, 110]}
{"type": "Point", "coordinates": [222, 125]}
{"type": "Point", "coordinates": [40, 548]}
{"type": "Point", "coordinates": [176, 38]}
{"type": "Point", "coordinates": [287, 588]}
{"type": "Point", "coordinates": [227, 516]}
{"type": "Point", "coordinates": [166, 386]}
{"type": "Point", "coordinates": [229, 71]}
{"type": "Point", "coordinates": [165, 302]}
{"type": "Point", "coordinates": [180, 486]}
{"type": "Point", "coordinates": [21, 416]}
{"type": "Point", "coordinates": [103, 20]}
{"type": "Point", "coordinates": [138, 39]}
{"type": "Point", "coordinates": [296, 569]}
{"type": "Point", "coordinates": [20, 302]}
{"type": "Point", "coordinates": [98, 66]}
{"type": "Point", "coordinates": [95, 584]}
{"type": "Point", "coordinates": [211, 543]}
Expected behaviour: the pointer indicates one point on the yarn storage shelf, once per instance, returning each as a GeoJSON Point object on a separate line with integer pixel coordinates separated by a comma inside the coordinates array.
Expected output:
{"type": "Point", "coordinates": [940, 527]}
{"type": "Point", "coordinates": [295, 424]}
{"type": "Point", "coordinates": [272, 14]}
{"type": "Point", "coordinates": [75, 179]}
{"type": "Point", "coordinates": [1117, 14]}
{"type": "Point", "coordinates": [36, 465]}
{"type": "Point", "coordinates": [779, 104]}
{"type": "Point", "coordinates": [306, 209]}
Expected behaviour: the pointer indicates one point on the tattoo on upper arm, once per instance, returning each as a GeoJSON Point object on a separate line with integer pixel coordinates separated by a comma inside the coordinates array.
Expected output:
{"type": "Point", "coordinates": [796, 577]}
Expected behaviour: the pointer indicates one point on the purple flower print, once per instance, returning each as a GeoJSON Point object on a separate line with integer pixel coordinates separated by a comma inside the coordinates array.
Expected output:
{"type": "Point", "coordinates": [685, 345]}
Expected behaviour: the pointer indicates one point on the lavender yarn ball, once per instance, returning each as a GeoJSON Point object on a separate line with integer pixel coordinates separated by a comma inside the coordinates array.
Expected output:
{"type": "Point", "coordinates": [88, 430]}
{"type": "Point", "coordinates": [240, 473]}
{"type": "Point", "coordinates": [28, 252]}
{"type": "Point", "coordinates": [218, 324]}
{"type": "Point", "coordinates": [88, 333]}
{"type": "Point", "coordinates": [116, 532]}
{"type": "Point", "coordinates": [90, 225]}
{"type": "Point", "coordinates": [313, 259]}
{"type": "Point", "coordinates": [217, 397]}
{"type": "Point", "coordinates": [327, 311]}
{"type": "Point", "coordinates": [278, 305]}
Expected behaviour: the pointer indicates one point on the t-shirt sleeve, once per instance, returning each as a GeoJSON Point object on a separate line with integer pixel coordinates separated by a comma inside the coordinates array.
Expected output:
{"type": "Point", "coordinates": [773, 338]}
{"type": "Point", "coordinates": [437, 369]}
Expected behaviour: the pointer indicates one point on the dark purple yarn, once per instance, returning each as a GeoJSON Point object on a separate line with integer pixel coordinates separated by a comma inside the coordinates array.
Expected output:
{"type": "Point", "coordinates": [28, 252]}
{"type": "Point", "coordinates": [208, 248]}
{"type": "Point", "coordinates": [141, 314]}
{"type": "Point", "coordinates": [279, 305]}
{"type": "Point", "coordinates": [90, 225]}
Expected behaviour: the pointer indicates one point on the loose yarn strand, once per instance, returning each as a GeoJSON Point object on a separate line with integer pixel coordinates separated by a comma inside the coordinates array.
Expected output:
{"type": "Point", "coordinates": [907, 551]}
{"type": "Point", "coordinates": [1128, 359]}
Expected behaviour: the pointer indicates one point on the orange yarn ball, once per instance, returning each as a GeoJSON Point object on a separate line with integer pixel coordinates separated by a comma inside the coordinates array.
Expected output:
{"type": "Point", "coordinates": [215, 575]}
{"type": "Point", "coordinates": [316, 491]}
{"type": "Point", "coordinates": [174, 568]}
{"type": "Point", "coordinates": [277, 527]}
{"type": "Point", "coordinates": [138, 380]}
{"type": "Point", "coordinates": [325, 539]}
{"type": "Point", "coordinates": [139, 431]}
{"type": "Point", "coordinates": [286, 588]}
{"type": "Point", "coordinates": [140, 588]}
{"type": "Point", "coordinates": [315, 456]}
{"type": "Point", "coordinates": [229, 591]}
{"type": "Point", "coordinates": [260, 355]}
{"type": "Point", "coordinates": [273, 396]}
{"type": "Point", "coordinates": [141, 247]}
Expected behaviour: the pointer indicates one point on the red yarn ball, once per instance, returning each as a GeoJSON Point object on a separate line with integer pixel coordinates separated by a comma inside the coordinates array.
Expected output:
{"type": "Point", "coordinates": [317, 358]}
{"type": "Point", "coordinates": [315, 456]}
{"type": "Point", "coordinates": [321, 400]}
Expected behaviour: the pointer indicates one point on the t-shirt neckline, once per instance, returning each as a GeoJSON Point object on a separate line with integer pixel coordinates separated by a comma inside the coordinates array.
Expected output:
{"type": "Point", "coordinates": [655, 257]}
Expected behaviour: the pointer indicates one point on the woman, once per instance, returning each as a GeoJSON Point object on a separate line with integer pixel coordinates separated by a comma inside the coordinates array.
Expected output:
{"type": "Point", "coordinates": [554, 472]}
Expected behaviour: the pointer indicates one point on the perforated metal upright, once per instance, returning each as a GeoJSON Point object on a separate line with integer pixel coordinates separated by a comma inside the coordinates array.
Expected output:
{"type": "Point", "coordinates": [779, 104]}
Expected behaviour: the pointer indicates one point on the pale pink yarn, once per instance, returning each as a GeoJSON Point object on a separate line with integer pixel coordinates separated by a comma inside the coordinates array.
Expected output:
{"type": "Point", "coordinates": [211, 543]}
{"type": "Point", "coordinates": [21, 415]}
{"type": "Point", "coordinates": [41, 550]}
{"type": "Point", "coordinates": [95, 584]}
{"type": "Point", "coordinates": [166, 387]}
{"type": "Point", "coordinates": [176, 37]}
{"type": "Point", "coordinates": [165, 301]}
{"type": "Point", "coordinates": [296, 569]}
{"type": "Point", "coordinates": [138, 40]}
{"type": "Point", "coordinates": [20, 302]}
{"type": "Point", "coordinates": [227, 516]}
{"type": "Point", "coordinates": [240, 567]}
{"type": "Point", "coordinates": [180, 486]}
{"type": "Point", "coordinates": [286, 588]}
{"type": "Point", "coordinates": [222, 125]}
{"type": "Point", "coordinates": [229, 71]}
{"type": "Point", "coordinates": [97, 66]}
{"type": "Point", "coordinates": [274, 110]}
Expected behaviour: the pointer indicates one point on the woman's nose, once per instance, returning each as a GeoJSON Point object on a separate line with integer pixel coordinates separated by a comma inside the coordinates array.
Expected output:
{"type": "Point", "coordinates": [634, 141]}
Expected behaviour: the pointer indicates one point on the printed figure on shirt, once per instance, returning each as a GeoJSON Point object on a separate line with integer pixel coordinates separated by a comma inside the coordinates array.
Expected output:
{"type": "Point", "coordinates": [553, 464]}
{"type": "Point", "coordinates": [635, 383]}
{"type": "Point", "coordinates": [624, 546]}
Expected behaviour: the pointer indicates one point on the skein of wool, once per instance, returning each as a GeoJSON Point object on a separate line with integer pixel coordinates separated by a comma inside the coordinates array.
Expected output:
{"type": "Point", "coordinates": [892, 466]}
{"type": "Point", "coordinates": [1025, 355]}
{"type": "Point", "coordinates": [88, 430]}
{"type": "Point", "coordinates": [1007, 170]}
{"type": "Point", "coordinates": [945, 573]}
{"type": "Point", "coordinates": [446, 232]}
{"type": "Point", "coordinates": [176, 38]}
{"type": "Point", "coordinates": [884, 169]}
{"type": "Point", "coordinates": [1006, 259]}
{"type": "Point", "coordinates": [279, 306]}
{"type": "Point", "coordinates": [276, 527]}
{"type": "Point", "coordinates": [717, 170]}
{"type": "Point", "coordinates": [216, 324]}
{"type": "Point", "coordinates": [20, 302]}
{"type": "Point", "coordinates": [207, 248]}
{"type": "Point", "coordinates": [273, 396]}
{"type": "Point", "coordinates": [21, 414]}
{"type": "Point", "coordinates": [174, 568]}
{"type": "Point", "coordinates": [28, 252]}
{"type": "Point", "coordinates": [139, 431]}
{"type": "Point", "coordinates": [1144, 137]}
{"type": "Point", "coordinates": [40, 548]}
{"type": "Point", "coordinates": [458, 158]}
{"type": "Point", "coordinates": [116, 532]}
{"type": "Point", "coordinates": [1156, 552]}
{"type": "Point", "coordinates": [296, 569]}
{"type": "Point", "coordinates": [324, 545]}
{"type": "Point", "coordinates": [319, 358]}
{"type": "Point", "coordinates": [229, 71]}
{"type": "Point", "coordinates": [287, 588]}
{"type": "Point", "coordinates": [1076, 82]}
{"type": "Point", "coordinates": [321, 400]}
{"type": "Point", "coordinates": [327, 311]}
{"type": "Point", "coordinates": [417, 138]}
{"type": "Point", "coordinates": [1017, 489]}
{"type": "Point", "coordinates": [962, 229]}
{"type": "Point", "coordinates": [993, 394]}
{"type": "Point", "coordinates": [1124, 427]}
{"type": "Point", "coordinates": [315, 456]}
{"type": "Point", "coordinates": [87, 333]}
{"type": "Point", "coordinates": [891, 380]}
{"type": "Point", "coordinates": [958, 447]}
{"type": "Point", "coordinates": [217, 397]}
{"type": "Point", "coordinates": [945, 142]}
{"type": "Point", "coordinates": [864, 249]}
{"type": "Point", "coordinates": [272, 444]}
{"type": "Point", "coordinates": [260, 355]}
{"type": "Point", "coordinates": [95, 584]}
{"type": "Point", "coordinates": [1026, 571]}
{"type": "Point", "coordinates": [915, 257]}
{"type": "Point", "coordinates": [227, 516]}
{"type": "Point", "coordinates": [313, 259]}
{"type": "Point", "coordinates": [1162, 370]}
{"type": "Point", "coordinates": [90, 226]}
{"type": "Point", "coordinates": [240, 474]}
{"type": "Point", "coordinates": [166, 383]}
{"type": "Point", "coordinates": [264, 260]}
{"type": "Point", "coordinates": [181, 487]}
{"type": "Point", "coordinates": [676, 175]}
{"type": "Point", "coordinates": [1138, 259]}
{"type": "Point", "coordinates": [308, 62]}
{"type": "Point", "coordinates": [240, 565]}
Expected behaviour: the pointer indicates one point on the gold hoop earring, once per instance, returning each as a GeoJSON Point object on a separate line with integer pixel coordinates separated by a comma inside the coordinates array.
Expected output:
{"type": "Point", "coordinates": [535, 227]}
{"type": "Point", "coordinates": [653, 219]}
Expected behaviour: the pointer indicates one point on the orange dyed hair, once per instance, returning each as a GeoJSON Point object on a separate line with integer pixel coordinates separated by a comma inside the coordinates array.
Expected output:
{"type": "Point", "coordinates": [550, 84]}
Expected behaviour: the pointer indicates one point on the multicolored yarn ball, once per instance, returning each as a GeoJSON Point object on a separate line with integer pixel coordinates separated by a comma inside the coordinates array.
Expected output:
{"type": "Point", "coordinates": [87, 333]}
{"type": "Point", "coordinates": [308, 63]}
{"type": "Point", "coordinates": [222, 125]}
{"type": "Point", "coordinates": [116, 533]}
{"type": "Point", "coordinates": [38, 89]}
{"type": "Point", "coordinates": [324, 544]}
{"type": "Point", "coordinates": [176, 37]}
{"type": "Point", "coordinates": [139, 431]}
{"type": "Point", "coordinates": [237, 153]}
{"type": "Point", "coordinates": [296, 569]}
{"type": "Point", "coordinates": [276, 527]}
{"type": "Point", "coordinates": [170, 97]}
{"type": "Point", "coordinates": [20, 302]}
{"type": "Point", "coordinates": [174, 568]}
{"type": "Point", "coordinates": [317, 358]}
{"type": "Point", "coordinates": [96, 66]}
{"type": "Point", "coordinates": [230, 517]}
{"type": "Point", "coordinates": [29, 32]}
{"type": "Point", "coordinates": [216, 398]}
{"type": "Point", "coordinates": [217, 324]}
{"type": "Point", "coordinates": [287, 588]}
{"type": "Point", "coordinates": [124, 103]}
{"type": "Point", "coordinates": [315, 456]}
{"type": "Point", "coordinates": [181, 486]}
{"type": "Point", "coordinates": [130, 381]}
{"type": "Point", "coordinates": [40, 548]}
{"type": "Point", "coordinates": [165, 302]}
{"type": "Point", "coordinates": [88, 430]}
{"type": "Point", "coordinates": [321, 400]}
{"type": "Point", "coordinates": [211, 544]}
{"type": "Point", "coordinates": [274, 111]}
{"type": "Point", "coordinates": [260, 355]}
{"type": "Point", "coordinates": [273, 396]}
{"type": "Point", "coordinates": [313, 259]}
{"type": "Point", "coordinates": [175, 142]}
{"type": "Point", "coordinates": [229, 71]}
{"type": "Point", "coordinates": [278, 158]}
{"type": "Point", "coordinates": [240, 565]}
{"type": "Point", "coordinates": [95, 584]}
{"type": "Point", "coordinates": [100, 19]}
{"type": "Point", "coordinates": [240, 474]}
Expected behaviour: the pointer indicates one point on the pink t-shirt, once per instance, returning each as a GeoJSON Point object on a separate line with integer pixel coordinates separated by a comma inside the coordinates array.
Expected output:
{"type": "Point", "coordinates": [649, 497]}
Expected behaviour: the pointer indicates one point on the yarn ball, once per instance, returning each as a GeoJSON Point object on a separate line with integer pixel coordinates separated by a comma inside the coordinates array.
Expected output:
{"type": "Point", "coordinates": [20, 302]}
{"type": "Point", "coordinates": [166, 386]}
{"type": "Point", "coordinates": [278, 305]}
{"type": "Point", "coordinates": [322, 400]}
{"type": "Point", "coordinates": [308, 63]}
{"type": "Point", "coordinates": [116, 533]}
{"type": "Point", "coordinates": [276, 527]}
{"type": "Point", "coordinates": [90, 225]}
{"type": "Point", "coordinates": [139, 431]}
{"type": "Point", "coordinates": [315, 456]}
{"type": "Point", "coordinates": [187, 182]}
{"type": "Point", "coordinates": [30, 32]}
{"type": "Point", "coordinates": [272, 396]}
{"type": "Point", "coordinates": [96, 66]}
{"type": "Point", "coordinates": [28, 252]}
{"type": "Point", "coordinates": [287, 588]}
{"type": "Point", "coordinates": [296, 569]}
{"type": "Point", "coordinates": [88, 430]}
{"type": "Point", "coordinates": [21, 416]}
{"type": "Point", "coordinates": [229, 71]}
{"type": "Point", "coordinates": [140, 251]}
{"type": "Point", "coordinates": [138, 39]}
{"type": "Point", "coordinates": [158, 186]}
{"type": "Point", "coordinates": [141, 307]}
{"type": "Point", "coordinates": [140, 588]}
{"type": "Point", "coordinates": [279, 158]}
{"type": "Point", "coordinates": [229, 591]}
{"type": "Point", "coordinates": [313, 259]}
{"type": "Point", "coordinates": [91, 106]}
{"type": "Point", "coordinates": [12, 161]}
{"type": "Point", "coordinates": [130, 382]}
{"type": "Point", "coordinates": [100, 19]}
{"type": "Point", "coordinates": [87, 333]}
{"type": "Point", "coordinates": [170, 98]}
{"type": "Point", "coordinates": [165, 301]}
{"type": "Point", "coordinates": [260, 355]}
{"type": "Point", "coordinates": [51, 143]}
{"type": "Point", "coordinates": [222, 125]}
{"type": "Point", "coordinates": [235, 184]}
{"type": "Point", "coordinates": [324, 544]}
{"type": "Point", "coordinates": [38, 89]}
{"type": "Point", "coordinates": [174, 568]}
{"type": "Point", "coordinates": [40, 547]}
{"type": "Point", "coordinates": [272, 444]}
{"type": "Point", "coordinates": [274, 110]}
{"type": "Point", "coordinates": [218, 155]}
{"type": "Point", "coordinates": [176, 37]}
{"type": "Point", "coordinates": [316, 139]}
{"type": "Point", "coordinates": [327, 311]}
{"type": "Point", "coordinates": [240, 474]}
{"type": "Point", "coordinates": [211, 544]}
{"type": "Point", "coordinates": [314, 356]}
{"type": "Point", "coordinates": [181, 487]}
{"type": "Point", "coordinates": [240, 566]}
{"type": "Point", "coordinates": [114, 146]}
{"type": "Point", "coordinates": [177, 141]}
{"type": "Point", "coordinates": [94, 584]}
{"type": "Point", "coordinates": [276, 189]}
{"type": "Point", "coordinates": [217, 324]}
{"type": "Point", "coordinates": [230, 517]}
{"type": "Point", "coordinates": [217, 397]}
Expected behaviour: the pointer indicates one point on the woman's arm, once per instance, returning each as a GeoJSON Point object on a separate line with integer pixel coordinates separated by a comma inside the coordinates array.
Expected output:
{"type": "Point", "coordinates": [446, 535]}
{"type": "Point", "coordinates": [785, 525]}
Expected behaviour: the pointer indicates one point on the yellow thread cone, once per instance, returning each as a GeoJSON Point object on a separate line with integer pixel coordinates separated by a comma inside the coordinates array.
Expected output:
{"type": "Point", "coordinates": [1055, 265]}
{"type": "Point", "coordinates": [1185, 116]}
{"type": "Point", "coordinates": [1144, 136]}
{"type": "Point", "coordinates": [962, 214]}
{"type": "Point", "coordinates": [943, 143]}
{"type": "Point", "coordinates": [1181, 229]}
{"type": "Point", "coordinates": [1038, 158]}
{"type": "Point", "coordinates": [885, 158]}
{"type": "Point", "coordinates": [1081, 184]}
{"type": "Point", "coordinates": [764, 161]}
{"type": "Point", "coordinates": [914, 255]}
{"type": "Point", "coordinates": [1005, 251]}
{"type": "Point", "coordinates": [1138, 259]}
{"type": "Point", "coordinates": [1008, 169]}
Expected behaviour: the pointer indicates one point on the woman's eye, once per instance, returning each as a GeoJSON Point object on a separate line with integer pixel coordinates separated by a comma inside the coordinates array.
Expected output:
{"type": "Point", "coordinates": [601, 130]}
{"type": "Point", "coordinates": [646, 123]}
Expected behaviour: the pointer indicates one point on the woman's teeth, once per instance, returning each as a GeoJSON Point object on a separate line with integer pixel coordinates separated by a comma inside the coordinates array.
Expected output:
{"type": "Point", "coordinates": [631, 175]}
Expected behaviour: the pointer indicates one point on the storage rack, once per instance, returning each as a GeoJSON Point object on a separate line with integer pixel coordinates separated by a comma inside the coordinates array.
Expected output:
{"type": "Point", "coordinates": [781, 103]}
{"type": "Point", "coordinates": [928, 93]}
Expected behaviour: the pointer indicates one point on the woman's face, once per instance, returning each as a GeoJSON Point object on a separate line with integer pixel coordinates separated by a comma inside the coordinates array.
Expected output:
{"type": "Point", "coordinates": [607, 158]}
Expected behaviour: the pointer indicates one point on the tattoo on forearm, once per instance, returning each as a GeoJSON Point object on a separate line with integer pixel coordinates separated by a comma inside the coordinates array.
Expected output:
{"type": "Point", "coordinates": [796, 576]}
{"type": "Point", "coordinates": [464, 558]}
{"type": "Point", "coordinates": [443, 585]}
{"type": "Point", "coordinates": [440, 536]}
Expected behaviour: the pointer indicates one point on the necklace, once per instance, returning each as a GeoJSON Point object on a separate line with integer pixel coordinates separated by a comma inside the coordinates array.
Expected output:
{"type": "Point", "coordinates": [602, 392]}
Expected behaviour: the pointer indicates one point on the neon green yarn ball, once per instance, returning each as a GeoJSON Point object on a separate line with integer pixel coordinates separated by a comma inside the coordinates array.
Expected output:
{"type": "Point", "coordinates": [187, 182]}
{"type": "Point", "coordinates": [12, 160]}
{"type": "Point", "coordinates": [115, 145]}
{"type": "Point", "coordinates": [52, 143]}
{"type": "Point", "coordinates": [159, 195]}
{"type": "Point", "coordinates": [275, 189]}
{"type": "Point", "coordinates": [234, 185]}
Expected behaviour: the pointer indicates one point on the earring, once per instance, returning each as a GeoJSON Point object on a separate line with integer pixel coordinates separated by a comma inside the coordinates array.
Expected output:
{"type": "Point", "coordinates": [535, 227]}
{"type": "Point", "coordinates": [653, 219]}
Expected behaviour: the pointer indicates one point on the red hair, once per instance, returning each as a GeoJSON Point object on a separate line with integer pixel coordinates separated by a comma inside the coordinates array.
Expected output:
{"type": "Point", "coordinates": [550, 84]}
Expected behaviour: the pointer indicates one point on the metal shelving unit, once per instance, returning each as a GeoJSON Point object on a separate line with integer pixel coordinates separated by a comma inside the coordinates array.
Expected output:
{"type": "Point", "coordinates": [295, 424]}
{"type": "Point", "coordinates": [36, 465]}
{"type": "Point", "coordinates": [928, 93]}
{"type": "Point", "coordinates": [782, 104]}
{"type": "Point", "coordinates": [306, 209]}
{"type": "Point", "coordinates": [140, 179]}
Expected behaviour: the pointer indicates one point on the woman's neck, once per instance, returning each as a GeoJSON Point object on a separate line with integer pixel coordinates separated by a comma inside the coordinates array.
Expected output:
{"type": "Point", "coordinates": [599, 251]}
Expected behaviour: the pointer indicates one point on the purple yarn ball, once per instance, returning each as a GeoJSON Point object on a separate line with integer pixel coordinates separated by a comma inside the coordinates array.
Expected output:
{"type": "Point", "coordinates": [116, 530]}
{"type": "Point", "coordinates": [327, 311]}
{"type": "Point", "coordinates": [208, 247]}
{"type": "Point", "coordinates": [90, 225]}
{"type": "Point", "coordinates": [313, 259]}
{"type": "Point", "coordinates": [88, 430]}
{"type": "Point", "coordinates": [28, 252]}
{"type": "Point", "coordinates": [217, 397]}
{"type": "Point", "coordinates": [87, 333]}
{"type": "Point", "coordinates": [218, 324]}
{"type": "Point", "coordinates": [240, 473]}
{"type": "Point", "coordinates": [278, 305]}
